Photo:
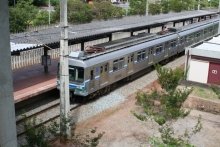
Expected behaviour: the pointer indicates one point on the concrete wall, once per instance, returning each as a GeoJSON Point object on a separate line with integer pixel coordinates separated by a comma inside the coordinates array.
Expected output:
{"type": "Point", "coordinates": [8, 136]}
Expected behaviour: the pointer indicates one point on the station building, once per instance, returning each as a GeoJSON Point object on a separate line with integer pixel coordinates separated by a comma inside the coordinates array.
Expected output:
{"type": "Point", "coordinates": [203, 61]}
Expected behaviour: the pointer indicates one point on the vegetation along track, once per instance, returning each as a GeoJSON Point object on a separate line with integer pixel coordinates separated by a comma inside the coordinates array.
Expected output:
{"type": "Point", "coordinates": [43, 116]}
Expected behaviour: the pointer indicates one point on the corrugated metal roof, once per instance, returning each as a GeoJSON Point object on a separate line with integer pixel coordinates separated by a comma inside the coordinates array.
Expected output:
{"type": "Point", "coordinates": [50, 36]}
{"type": "Point", "coordinates": [18, 47]}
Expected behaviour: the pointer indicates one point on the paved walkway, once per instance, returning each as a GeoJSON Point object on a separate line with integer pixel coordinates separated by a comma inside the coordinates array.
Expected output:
{"type": "Point", "coordinates": [31, 81]}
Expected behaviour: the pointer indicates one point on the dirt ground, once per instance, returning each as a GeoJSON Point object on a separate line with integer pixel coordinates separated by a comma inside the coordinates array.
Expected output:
{"type": "Point", "coordinates": [123, 129]}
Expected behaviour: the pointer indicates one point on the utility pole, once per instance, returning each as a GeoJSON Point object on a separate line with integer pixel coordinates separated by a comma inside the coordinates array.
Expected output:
{"type": "Point", "coordinates": [49, 11]}
{"type": "Point", "coordinates": [198, 4]}
{"type": "Point", "coordinates": [8, 134]}
{"type": "Point", "coordinates": [146, 7]}
{"type": "Point", "coordinates": [64, 71]}
{"type": "Point", "coordinates": [219, 16]}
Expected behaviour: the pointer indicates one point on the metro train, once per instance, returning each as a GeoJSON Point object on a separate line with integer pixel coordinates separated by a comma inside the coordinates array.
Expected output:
{"type": "Point", "coordinates": [96, 70]}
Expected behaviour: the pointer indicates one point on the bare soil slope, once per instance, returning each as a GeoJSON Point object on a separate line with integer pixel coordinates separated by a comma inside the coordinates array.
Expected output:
{"type": "Point", "coordinates": [123, 129]}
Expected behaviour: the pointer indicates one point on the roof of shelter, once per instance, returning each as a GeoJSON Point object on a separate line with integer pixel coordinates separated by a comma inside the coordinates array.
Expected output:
{"type": "Point", "coordinates": [29, 40]}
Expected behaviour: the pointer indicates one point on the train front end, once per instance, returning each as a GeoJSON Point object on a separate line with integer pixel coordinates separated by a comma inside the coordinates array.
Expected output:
{"type": "Point", "coordinates": [77, 82]}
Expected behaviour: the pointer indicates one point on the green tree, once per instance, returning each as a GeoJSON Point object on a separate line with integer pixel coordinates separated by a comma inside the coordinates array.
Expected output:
{"type": "Point", "coordinates": [176, 5]}
{"type": "Point", "coordinates": [35, 2]}
{"type": "Point", "coordinates": [164, 107]}
{"type": "Point", "coordinates": [165, 6]}
{"type": "Point", "coordinates": [42, 18]}
{"type": "Point", "coordinates": [40, 2]}
{"type": "Point", "coordinates": [154, 8]}
{"type": "Point", "coordinates": [78, 12]}
{"type": "Point", "coordinates": [137, 7]}
{"type": "Point", "coordinates": [22, 15]}
{"type": "Point", "coordinates": [105, 10]}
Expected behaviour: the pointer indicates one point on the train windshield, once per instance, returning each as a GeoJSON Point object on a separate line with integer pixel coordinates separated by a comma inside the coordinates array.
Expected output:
{"type": "Point", "coordinates": [76, 74]}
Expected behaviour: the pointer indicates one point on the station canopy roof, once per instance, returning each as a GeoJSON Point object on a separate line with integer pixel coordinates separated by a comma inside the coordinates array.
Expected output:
{"type": "Point", "coordinates": [31, 40]}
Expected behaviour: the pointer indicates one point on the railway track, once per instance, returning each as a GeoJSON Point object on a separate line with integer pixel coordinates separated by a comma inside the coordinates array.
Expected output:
{"type": "Point", "coordinates": [52, 112]}
{"type": "Point", "coordinates": [40, 115]}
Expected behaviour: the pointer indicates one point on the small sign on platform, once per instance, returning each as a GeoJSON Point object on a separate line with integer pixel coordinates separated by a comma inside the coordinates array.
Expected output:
{"type": "Point", "coordinates": [45, 60]}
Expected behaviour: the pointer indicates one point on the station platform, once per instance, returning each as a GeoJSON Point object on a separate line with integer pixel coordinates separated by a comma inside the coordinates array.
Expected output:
{"type": "Point", "coordinates": [31, 81]}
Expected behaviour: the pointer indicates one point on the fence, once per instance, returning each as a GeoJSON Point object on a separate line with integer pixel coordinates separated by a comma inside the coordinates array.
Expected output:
{"type": "Point", "coordinates": [31, 57]}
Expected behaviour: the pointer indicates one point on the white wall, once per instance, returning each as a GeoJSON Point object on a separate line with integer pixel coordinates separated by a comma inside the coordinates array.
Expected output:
{"type": "Point", "coordinates": [198, 71]}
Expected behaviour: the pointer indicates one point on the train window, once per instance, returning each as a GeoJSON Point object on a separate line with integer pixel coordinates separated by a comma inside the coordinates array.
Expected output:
{"type": "Point", "coordinates": [157, 50]}
{"type": "Point", "coordinates": [166, 45]}
{"type": "Point", "coordinates": [150, 51]}
{"type": "Point", "coordinates": [205, 31]}
{"type": "Point", "coordinates": [210, 29]}
{"type": "Point", "coordinates": [79, 74]}
{"type": "Point", "coordinates": [172, 44]}
{"type": "Point", "coordinates": [143, 54]}
{"type": "Point", "coordinates": [106, 67]}
{"type": "Point", "coordinates": [132, 58]}
{"type": "Point", "coordinates": [139, 56]}
{"type": "Point", "coordinates": [128, 59]}
{"type": "Point", "coordinates": [71, 74]}
{"type": "Point", "coordinates": [189, 37]}
{"type": "Point", "coordinates": [160, 48]}
{"type": "Point", "coordinates": [120, 63]}
{"type": "Point", "coordinates": [76, 74]}
{"type": "Point", "coordinates": [91, 75]}
{"type": "Point", "coordinates": [101, 69]}
{"type": "Point", "coordinates": [115, 65]}
{"type": "Point", "coordinates": [181, 40]}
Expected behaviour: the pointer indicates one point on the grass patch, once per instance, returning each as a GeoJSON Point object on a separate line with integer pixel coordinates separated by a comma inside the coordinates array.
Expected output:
{"type": "Point", "coordinates": [112, 112]}
{"type": "Point", "coordinates": [204, 93]}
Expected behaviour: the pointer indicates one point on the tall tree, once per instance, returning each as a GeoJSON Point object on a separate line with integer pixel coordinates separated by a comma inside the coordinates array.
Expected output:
{"type": "Point", "coordinates": [78, 12]}
{"type": "Point", "coordinates": [22, 15]}
{"type": "Point", "coordinates": [137, 7]}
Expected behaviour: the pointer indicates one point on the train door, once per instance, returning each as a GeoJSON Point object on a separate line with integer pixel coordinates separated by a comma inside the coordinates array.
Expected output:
{"type": "Point", "coordinates": [166, 49]}
{"type": "Point", "coordinates": [150, 55]}
{"type": "Point", "coordinates": [130, 63]}
{"type": "Point", "coordinates": [104, 74]}
{"type": "Point", "coordinates": [91, 79]}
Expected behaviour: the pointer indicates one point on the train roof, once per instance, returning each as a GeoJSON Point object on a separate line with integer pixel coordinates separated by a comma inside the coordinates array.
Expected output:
{"type": "Point", "coordinates": [209, 48]}
{"type": "Point", "coordinates": [202, 23]}
{"type": "Point", "coordinates": [127, 40]}
{"type": "Point", "coordinates": [121, 53]}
